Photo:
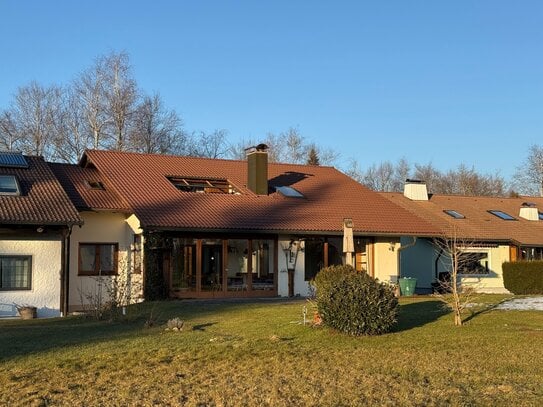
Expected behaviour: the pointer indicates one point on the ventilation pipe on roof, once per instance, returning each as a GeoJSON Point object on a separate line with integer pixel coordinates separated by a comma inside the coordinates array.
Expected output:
{"type": "Point", "coordinates": [257, 169]}
{"type": "Point", "coordinates": [529, 211]}
{"type": "Point", "coordinates": [415, 190]}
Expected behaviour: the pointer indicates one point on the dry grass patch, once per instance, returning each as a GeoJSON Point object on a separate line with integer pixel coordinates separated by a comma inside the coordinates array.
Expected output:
{"type": "Point", "coordinates": [257, 353]}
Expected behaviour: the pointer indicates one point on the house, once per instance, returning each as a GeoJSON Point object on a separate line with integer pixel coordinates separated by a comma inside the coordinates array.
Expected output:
{"type": "Point", "coordinates": [227, 228]}
{"type": "Point", "coordinates": [105, 250]}
{"type": "Point", "coordinates": [36, 219]}
{"type": "Point", "coordinates": [493, 230]}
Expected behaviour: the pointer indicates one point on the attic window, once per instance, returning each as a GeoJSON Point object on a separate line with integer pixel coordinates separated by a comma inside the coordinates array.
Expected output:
{"type": "Point", "coordinates": [502, 215]}
{"type": "Point", "coordinates": [9, 185]}
{"type": "Point", "coordinates": [204, 185]}
{"type": "Point", "coordinates": [454, 214]}
{"type": "Point", "coordinates": [96, 185]}
{"type": "Point", "coordinates": [289, 192]}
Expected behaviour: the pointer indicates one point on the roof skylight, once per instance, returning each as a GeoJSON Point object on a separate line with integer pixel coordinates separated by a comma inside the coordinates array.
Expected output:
{"type": "Point", "coordinates": [204, 185]}
{"type": "Point", "coordinates": [289, 192]}
{"type": "Point", "coordinates": [502, 215]}
{"type": "Point", "coordinates": [9, 185]}
{"type": "Point", "coordinates": [454, 214]}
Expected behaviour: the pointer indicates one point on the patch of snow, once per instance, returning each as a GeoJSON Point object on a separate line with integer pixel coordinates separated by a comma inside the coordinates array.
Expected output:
{"type": "Point", "coordinates": [523, 304]}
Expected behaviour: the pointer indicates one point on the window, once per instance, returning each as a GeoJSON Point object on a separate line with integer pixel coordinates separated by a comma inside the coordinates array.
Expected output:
{"type": "Point", "coordinates": [9, 185]}
{"type": "Point", "coordinates": [97, 259]}
{"type": "Point", "coordinates": [540, 215]}
{"type": "Point", "coordinates": [473, 263]}
{"type": "Point", "coordinates": [502, 215]}
{"type": "Point", "coordinates": [531, 253]}
{"type": "Point", "coordinates": [289, 192]}
{"type": "Point", "coordinates": [15, 272]}
{"type": "Point", "coordinates": [137, 254]}
{"type": "Point", "coordinates": [314, 258]}
{"type": "Point", "coordinates": [454, 214]}
{"type": "Point", "coordinates": [204, 185]}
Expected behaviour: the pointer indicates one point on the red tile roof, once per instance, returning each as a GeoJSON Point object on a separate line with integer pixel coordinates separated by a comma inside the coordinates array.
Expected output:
{"type": "Point", "coordinates": [478, 223]}
{"type": "Point", "coordinates": [42, 200]}
{"type": "Point", "coordinates": [75, 181]}
{"type": "Point", "coordinates": [329, 197]}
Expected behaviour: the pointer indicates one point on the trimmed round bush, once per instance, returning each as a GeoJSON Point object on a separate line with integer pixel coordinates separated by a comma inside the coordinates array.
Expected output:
{"type": "Point", "coordinates": [355, 303]}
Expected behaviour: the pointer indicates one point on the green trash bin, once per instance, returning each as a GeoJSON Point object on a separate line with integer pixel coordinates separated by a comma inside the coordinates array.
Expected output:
{"type": "Point", "coordinates": [407, 285]}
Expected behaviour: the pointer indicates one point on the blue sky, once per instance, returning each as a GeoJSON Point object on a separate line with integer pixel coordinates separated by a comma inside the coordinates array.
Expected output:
{"type": "Point", "coordinates": [446, 82]}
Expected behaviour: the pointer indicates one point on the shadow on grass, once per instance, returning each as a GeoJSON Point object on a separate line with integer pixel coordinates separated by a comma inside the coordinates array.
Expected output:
{"type": "Point", "coordinates": [418, 314]}
{"type": "Point", "coordinates": [202, 327]}
{"type": "Point", "coordinates": [20, 338]}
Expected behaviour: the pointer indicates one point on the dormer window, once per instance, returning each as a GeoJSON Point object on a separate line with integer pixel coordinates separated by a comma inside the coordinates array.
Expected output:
{"type": "Point", "coordinates": [9, 185]}
{"type": "Point", "coordinates": [204, 185]}
{"type": "Point", "coordinates": [454, 214]}
{"type": "Point", "coordinates": [502, 215]}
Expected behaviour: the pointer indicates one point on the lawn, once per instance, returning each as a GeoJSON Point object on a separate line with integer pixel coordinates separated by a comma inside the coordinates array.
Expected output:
{"type": "Point", "coordinates": [258, 353]}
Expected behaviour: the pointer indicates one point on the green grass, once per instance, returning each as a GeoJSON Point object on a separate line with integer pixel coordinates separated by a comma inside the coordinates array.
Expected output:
{"type": "Point", "coordinates": [258, 353]}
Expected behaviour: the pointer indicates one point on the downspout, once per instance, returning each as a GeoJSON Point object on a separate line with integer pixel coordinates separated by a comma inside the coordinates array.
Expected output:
{"type": "Point", "coordinates": [65, 272]}
{"type": "Point", "coordinates": [398, 253]}
{"type": "Point", "coordinates": [436, 263]}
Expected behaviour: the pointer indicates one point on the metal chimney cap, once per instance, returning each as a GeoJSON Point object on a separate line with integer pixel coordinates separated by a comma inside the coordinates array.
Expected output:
{"type": "Point", "coordinates": [259, 147]}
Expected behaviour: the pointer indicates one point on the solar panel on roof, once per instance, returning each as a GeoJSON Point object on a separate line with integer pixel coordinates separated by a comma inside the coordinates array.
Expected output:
{"type": "Point", "coordinates": [12, 159]}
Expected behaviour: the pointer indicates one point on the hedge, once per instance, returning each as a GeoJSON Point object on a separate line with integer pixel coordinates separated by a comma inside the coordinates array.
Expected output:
{"type": "Point", "coordinates": [523, 277]}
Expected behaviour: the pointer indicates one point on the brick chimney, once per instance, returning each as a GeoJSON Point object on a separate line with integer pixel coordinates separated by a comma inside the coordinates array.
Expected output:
{"type": "Point", "coordinates": [257, 169]}
{"type": "Point", "coordinates": [415, 190]}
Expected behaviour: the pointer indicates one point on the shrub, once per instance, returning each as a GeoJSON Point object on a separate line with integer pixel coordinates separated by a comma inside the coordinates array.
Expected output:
{"type": "Point", "coordinates": [523, 277]}
{"type": "Point", "coordinates": [355, 303]}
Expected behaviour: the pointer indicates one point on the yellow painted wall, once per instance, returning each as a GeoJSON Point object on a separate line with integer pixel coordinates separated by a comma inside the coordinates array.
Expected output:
{"type": "Point", "coordinates": [385, 258]}
{"type": "Point", "coordinates": [492, 283]}
{"type": "Point", "coordinates": [101, 227]}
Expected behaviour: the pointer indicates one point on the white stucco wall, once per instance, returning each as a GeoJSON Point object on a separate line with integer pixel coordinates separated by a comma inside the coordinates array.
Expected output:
{"type": "Point", "coordinates": [100, 227]}
{"type": "Point", "coordinates": [46, 269]}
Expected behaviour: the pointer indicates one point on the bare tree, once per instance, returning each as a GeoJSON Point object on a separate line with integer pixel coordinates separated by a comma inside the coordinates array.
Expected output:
{"type": "Point", "coordinates": [10, 136]}
{"type": "Point", "coordinates": [529, 176]}
{"type": "Point", "coordinates": [120, 94]}
{"type": "Point", "coordinates": [72, 137]}
{"type": "Point", "coordinates": [156, 129]}
{"type": "Point", "coordinates": [210, 145]}
{"type": "Point", "coordinates": [457, 257]}
{"type": "Point", "coordinates": [90, 90]}
{"type": "Point", "coordinates": [29, 124]}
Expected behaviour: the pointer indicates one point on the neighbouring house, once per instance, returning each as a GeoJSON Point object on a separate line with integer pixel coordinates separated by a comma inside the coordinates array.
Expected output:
{"type": "Point", "coordinates": [227, 228]}
{"type": "Point", "coordinates": [105, 252]}
{"type": "Point", "coordinates": [36, 218]}
{"type": "Point", "coordinates": [493, 230]}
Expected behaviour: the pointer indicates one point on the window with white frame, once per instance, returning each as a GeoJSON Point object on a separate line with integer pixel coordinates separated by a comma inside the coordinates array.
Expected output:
{"type": "Point", "coordinates": [15, 273]}
{"type": "Point", "coordinates": [473, 262]}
